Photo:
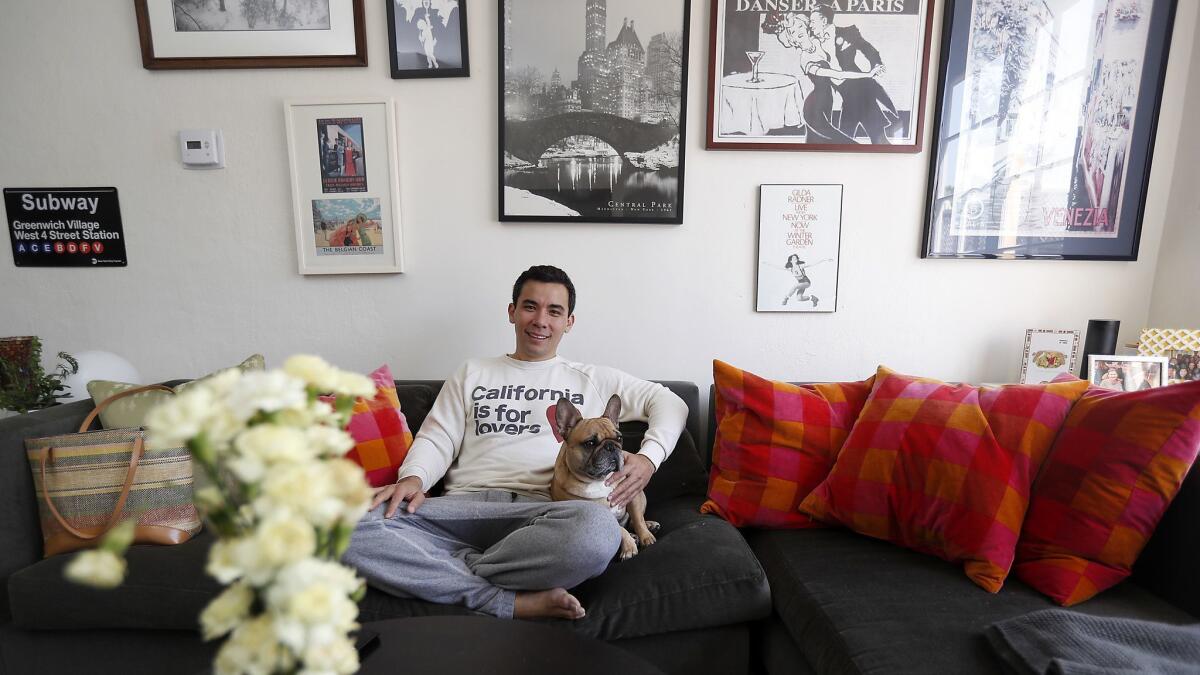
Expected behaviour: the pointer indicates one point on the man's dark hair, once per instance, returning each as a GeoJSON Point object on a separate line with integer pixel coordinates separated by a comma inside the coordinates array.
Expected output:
{"type": "Point", "coordinates": [825, 11]}
{"type": "Point", "coordinates": [547, 274]}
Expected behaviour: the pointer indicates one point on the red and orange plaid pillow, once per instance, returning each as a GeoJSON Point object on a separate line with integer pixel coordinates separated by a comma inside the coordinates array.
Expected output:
{"type": "Point", "coordinates": [944, 469]}
{"type": "Point", "coordinates": [774, 442]}
{"type": "Point", "coordinates": [1110, 477]}
{"type": "Point", "coordinates": [381, 433]}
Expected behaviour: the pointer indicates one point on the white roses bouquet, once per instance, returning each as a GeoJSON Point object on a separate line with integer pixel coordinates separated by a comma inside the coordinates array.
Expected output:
{"type": "Point", "coordinates": [282, 501]}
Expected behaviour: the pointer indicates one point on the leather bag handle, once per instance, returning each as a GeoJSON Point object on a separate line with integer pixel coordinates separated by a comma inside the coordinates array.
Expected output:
{"type": "Point", "coordinates": [46, 455]}
{"type": "Point", "coordinates": [87, 422]}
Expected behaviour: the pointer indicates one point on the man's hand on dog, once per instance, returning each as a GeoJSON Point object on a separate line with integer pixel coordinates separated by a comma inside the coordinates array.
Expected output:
{"type": "Point", "coordinates": [630, 480]}
{"type": "Point", "coordinates": [408, 488]}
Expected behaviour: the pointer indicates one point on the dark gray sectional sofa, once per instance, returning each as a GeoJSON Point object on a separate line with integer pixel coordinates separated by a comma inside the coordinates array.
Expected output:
{"type": "Point", "coordinates": [685, 604]}
{"type": "Point", "coordinates": [845, 603]}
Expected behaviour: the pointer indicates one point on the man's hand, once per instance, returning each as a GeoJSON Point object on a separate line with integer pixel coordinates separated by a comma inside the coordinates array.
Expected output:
{"type": "Point", "coordinates": [408, 488]}
{"type": "Point", "coordinates": [630, 480]}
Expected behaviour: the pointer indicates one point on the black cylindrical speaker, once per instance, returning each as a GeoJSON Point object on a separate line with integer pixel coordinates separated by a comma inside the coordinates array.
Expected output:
{"type": "Point", "coordinates": [1101, 339]}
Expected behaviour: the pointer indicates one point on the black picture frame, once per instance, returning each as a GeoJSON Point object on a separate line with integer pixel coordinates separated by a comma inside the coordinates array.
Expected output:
{"type": "Point", "coordinates": [404, 43]}
{"type": "Point", "coordinates": [654, 137]}
{"type": "Point", "coordinates": [768, 113]}
{"type": "Point", "coordinates": [1069, 166]}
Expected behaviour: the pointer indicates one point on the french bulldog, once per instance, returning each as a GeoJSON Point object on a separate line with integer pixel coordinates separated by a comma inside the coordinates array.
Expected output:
{"type": "Point", "coordinates": [590, 451]}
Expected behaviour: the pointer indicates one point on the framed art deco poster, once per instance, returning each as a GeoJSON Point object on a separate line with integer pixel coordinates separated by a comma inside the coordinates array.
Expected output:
{"type": "Point", "coordinates": [345, 198]}
{"type": "Point", "coordinates": [842, 75]}
{"type": "Point", "coordinates": [799, 239]}
{"type": "Point", "coordinates": [592, 110]}
{"type": "Point", "coordinates": [1046, 118]}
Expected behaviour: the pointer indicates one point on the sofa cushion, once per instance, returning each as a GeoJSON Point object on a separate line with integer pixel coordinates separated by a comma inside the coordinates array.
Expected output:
{"type": "Point", "coordinates": [165, 588]}
{"type": "Point", "coordinates": [1110, 477]}
{"type": "Point", "coordinates": [680, 475]}
{"type": "Point", "coordinates": [699, 574]}
{"type": "Point", "coordinates": [944, 469]}
{"type": "Point", "coordinates": [380, 430]}
{"type": "Point", "coordinates": [858, 605]}
{"type": "Point", "coordinates": [773, 443]}
{"type": "Point", "coordinates": [131, 411]}
{"type": "Point", "coordinates": [415, 401]}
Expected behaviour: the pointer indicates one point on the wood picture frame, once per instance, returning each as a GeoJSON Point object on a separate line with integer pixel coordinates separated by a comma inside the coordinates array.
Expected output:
{"type": "Point", "coordinates": [340, 41]}
{"type": "Point", "coordinates": [766, 105]}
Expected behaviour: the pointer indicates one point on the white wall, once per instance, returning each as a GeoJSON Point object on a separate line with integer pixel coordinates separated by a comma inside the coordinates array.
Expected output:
{"type": "Point", "coordinates": [1176, 302]}
{"type": "Point", "coordinates": [212, 273]}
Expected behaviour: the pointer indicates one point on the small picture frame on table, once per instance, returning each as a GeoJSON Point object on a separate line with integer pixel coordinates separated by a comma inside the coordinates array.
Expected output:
{"type": "Point", "coordinates": [1180, 346]}
{"type": "Point", "coordinates": [1048, 354]}
{"type": "Point", "coordinates": [1127, 373]}
{"type": "Point", "coordinates": [428, 38]}
{"type": "Point", "coordinates": [345, 194]}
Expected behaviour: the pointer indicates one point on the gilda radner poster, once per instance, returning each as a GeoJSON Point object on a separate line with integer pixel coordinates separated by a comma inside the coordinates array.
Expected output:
{"type": "Point", "coordinates": [799, 237]}
{"type": "Point", "coordinates": [592, 110]}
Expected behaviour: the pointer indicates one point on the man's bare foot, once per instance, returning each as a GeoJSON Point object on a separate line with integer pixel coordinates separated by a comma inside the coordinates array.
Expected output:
{"type": "Point", "coordinates": [555, 603]}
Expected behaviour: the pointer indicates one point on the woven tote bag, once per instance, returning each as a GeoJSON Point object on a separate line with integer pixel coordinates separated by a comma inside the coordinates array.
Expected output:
{"type": "Point", "coordinates": [88, 482]}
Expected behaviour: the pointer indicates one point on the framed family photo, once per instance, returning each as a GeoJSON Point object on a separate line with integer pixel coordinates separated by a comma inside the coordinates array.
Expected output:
{"type": "Point", "coordinates": [1048, 354]}
{"type": "Point", "coordinates": [1180, 346]}
{"type": "Point", "coordinates": [1127, 373]}
{"type": "Point", "coordinates": [345, 194]}
{"type": "Point", "coordinates": [193, 34]}
{"type": "Point", "coordinates": [428, 38]}
{"type": "Point", "coordinates": [799, 243]}
{"type": "Point", "coordinates": [1045, 127]}
{"type": "Point", "coordinates": [592, 110]}
{"type": "Point", "coordinates": [834, 75]}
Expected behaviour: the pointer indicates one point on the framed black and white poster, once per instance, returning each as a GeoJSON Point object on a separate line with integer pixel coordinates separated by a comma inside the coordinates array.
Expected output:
{"type": "Point", "coordinates": [428, 38]}
{"type": "Point", "coordinates": [193, 34]}
{"type": "Point", "coordinates": [1046, 118]}
{"type": "Point", "coordinates": [592, 108]}
{"type": "Point", "coordinates": [840, 75]}
{"type": "Point", "coordinates": [799, 240]}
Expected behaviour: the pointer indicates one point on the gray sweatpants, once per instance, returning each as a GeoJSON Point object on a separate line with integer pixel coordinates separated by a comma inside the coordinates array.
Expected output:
{"type": "Point", "coordinates": [477, 549]}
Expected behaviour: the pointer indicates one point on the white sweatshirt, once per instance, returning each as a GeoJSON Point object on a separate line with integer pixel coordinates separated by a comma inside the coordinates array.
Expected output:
{"type": "Point", "coordinates": [491, 425]}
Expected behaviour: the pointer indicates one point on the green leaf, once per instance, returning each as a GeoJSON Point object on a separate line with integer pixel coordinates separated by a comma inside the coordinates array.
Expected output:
{"type": "Point", "coordinates": [119, 538]}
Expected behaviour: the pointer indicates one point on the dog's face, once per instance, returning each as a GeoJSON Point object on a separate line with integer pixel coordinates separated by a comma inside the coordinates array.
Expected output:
{"type": "Point", "coordinates": [592, 446]}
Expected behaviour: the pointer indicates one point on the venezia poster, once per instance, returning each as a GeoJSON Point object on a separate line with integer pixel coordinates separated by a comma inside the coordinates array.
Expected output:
{"type": "Point", "coordinates": [1046, 129]}
{"type": "Point", "coordinates": [799, 239]}
{"type": "Point", "coordinates": [844, 75]}
{"type": "Point", "coordinates": [592, 110]}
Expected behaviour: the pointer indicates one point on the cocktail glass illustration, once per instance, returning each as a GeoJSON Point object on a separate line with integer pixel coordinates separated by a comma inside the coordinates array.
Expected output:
{"type": "Point", "coordinates": [754, 57]}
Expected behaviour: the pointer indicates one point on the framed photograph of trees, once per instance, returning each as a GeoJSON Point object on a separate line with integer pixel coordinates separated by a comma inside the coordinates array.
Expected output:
{"type": "Point", "coordinates": [592, 109]}
{"type": "Point", "coordinates": [194, 34]}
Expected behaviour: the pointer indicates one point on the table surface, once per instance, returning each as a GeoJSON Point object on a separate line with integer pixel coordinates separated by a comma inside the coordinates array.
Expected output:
{"type": "Point", "coordinates": [768, 81]}
{"type": "Point", "coordinates": [480, 644]}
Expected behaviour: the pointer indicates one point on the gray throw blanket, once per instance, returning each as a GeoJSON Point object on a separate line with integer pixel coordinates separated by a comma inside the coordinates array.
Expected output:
{"type": "Point", "coordinates": [1062, 642]}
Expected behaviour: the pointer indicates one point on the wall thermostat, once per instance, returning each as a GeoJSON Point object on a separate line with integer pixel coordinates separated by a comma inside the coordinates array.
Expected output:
{"type": "Point", "coordinates": [202, 149]}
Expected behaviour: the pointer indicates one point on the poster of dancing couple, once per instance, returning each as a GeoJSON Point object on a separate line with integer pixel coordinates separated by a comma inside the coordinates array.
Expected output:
{"type": "Point", "coordinates": [428, 38]}
{"type": "Point", "coordinates": [1048, 111]}
{"type": "Point", "coordinates": [799, 238]}
{"type": "Point", "coordinates": [843, 75]}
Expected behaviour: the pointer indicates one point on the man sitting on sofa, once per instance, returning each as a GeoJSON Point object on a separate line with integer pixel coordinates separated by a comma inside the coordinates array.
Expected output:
{"type": "Point", "coordinates": [494, 542]}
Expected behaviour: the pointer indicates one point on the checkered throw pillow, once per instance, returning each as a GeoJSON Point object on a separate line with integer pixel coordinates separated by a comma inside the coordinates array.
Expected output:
{"type": "Point", "coordinates": [381, 433]}
{"type": "Point", "coordinates": [1110, 477]}
{"type": "Point", "coordinates": [774, 442]}
{"type": "Point", "coordinates": [944, 469]}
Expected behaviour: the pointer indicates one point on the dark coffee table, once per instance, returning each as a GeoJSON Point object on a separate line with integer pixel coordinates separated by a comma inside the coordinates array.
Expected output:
{"type": "Point", "coordinates": [480, 644]}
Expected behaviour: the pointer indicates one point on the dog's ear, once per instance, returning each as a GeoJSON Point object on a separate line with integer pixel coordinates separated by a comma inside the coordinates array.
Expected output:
{"type": "Point", "coordinates": [566, 416]}
{"type": "Point", "coordinates": [613, 410]}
